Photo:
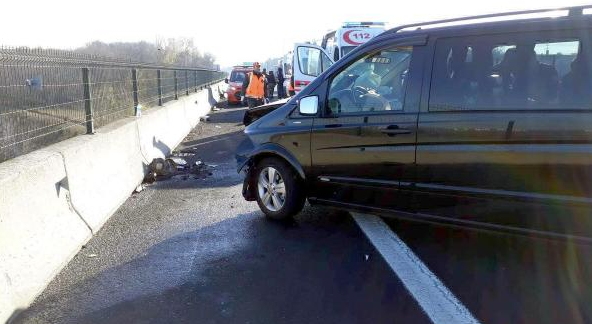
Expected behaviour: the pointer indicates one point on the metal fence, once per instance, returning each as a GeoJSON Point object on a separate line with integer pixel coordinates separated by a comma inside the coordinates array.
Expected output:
{"type": "Point", "coordinates": [47, 96]}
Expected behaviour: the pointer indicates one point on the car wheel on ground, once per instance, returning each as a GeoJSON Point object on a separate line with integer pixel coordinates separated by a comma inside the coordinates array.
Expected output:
{"type": "Point", "coordinates": [280, 194]}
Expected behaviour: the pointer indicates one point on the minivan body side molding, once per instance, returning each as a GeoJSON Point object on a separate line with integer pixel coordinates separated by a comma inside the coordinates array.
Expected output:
{"type": "Point", "coordinates": [359, 181]}
{"type": "Point", "coordinates": [508, 194]}
{"type": "Point", "coordinates": [556, 146]}
{"type": "Point", "coordinates": [452, 189]}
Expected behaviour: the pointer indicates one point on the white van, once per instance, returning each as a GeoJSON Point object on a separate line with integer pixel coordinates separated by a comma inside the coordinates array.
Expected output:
{"type": "Point", "coordinates": [339, 42]}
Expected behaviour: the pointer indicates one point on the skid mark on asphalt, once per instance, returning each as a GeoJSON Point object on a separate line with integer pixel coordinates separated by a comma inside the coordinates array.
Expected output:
{"type": "Point", "coordinates": [435, 299]}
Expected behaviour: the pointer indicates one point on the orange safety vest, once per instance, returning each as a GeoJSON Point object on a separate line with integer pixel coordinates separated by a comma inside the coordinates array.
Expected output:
{"type": "Point", "coordinates": [255, 88]}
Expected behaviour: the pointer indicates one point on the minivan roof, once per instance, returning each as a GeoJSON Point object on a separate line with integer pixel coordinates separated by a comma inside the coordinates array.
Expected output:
{"type": "Point", "coordinates": [501, 20]}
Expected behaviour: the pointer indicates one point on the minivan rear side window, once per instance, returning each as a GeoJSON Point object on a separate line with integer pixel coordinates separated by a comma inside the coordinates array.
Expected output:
{"type": "Point", "coordinates": [514, 72]}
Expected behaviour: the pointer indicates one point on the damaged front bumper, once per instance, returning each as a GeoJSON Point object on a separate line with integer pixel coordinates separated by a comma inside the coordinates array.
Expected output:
{"type": "Point", "coordinates": [245, 166]}
{"type": "Point", "coordinates": [249, 184]}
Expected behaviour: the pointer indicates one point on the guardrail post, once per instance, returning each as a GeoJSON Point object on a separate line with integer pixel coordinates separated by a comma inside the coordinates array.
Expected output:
{"type": "Point", "coordinates": [186, 83]}
{"type": "Point", "coordinates": [195, 79]}
{"type": "Point", "coordinates": [176, 85]}
{"type": "Point", "coordinates": [159, 86]}
{"type": "Point", "coordinates": [135, 89]}
{"type": "Point", "coordinates": [88, 109]}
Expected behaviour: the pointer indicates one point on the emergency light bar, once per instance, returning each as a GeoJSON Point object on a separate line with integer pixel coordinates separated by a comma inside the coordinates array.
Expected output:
{"type": "Point", "coordinates": [245, 65]}
{"type": "Point", "coordinates": [362, 24]}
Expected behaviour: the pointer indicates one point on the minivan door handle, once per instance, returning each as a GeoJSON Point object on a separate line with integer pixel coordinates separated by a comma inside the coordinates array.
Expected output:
{"type": "Point", "coordinates": [333, 125]}
{"type": "Point", "coordinates": [393, 130]}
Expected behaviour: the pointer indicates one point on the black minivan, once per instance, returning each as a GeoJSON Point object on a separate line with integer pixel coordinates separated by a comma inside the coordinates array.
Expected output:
{"type": "Point", "coordinates": [462, 121]}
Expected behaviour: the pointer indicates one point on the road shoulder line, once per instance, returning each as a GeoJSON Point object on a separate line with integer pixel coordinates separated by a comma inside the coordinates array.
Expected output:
{"type": "Point", "coordinates": [439, 304]}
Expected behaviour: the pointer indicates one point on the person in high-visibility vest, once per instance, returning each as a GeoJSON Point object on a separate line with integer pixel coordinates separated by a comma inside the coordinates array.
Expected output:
{"type": "Point", "coordinates": [291, 91]}
{"type": "Point", "coordinates": [254, 87]}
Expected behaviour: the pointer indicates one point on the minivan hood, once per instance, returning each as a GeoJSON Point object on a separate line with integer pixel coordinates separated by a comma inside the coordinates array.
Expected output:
{"type": "Point", "coordinates": [273, 113]}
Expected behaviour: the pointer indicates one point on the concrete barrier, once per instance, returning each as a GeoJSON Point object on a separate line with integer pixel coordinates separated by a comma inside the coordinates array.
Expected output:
{"type": "Point", "coordinates": [52, 200]}
{"type": "Point", "coordinates": [156, 141]}
{"type": "Point", "coordinates": [102, 169]}
{"type": "Point", "coordinates": [39, 229]}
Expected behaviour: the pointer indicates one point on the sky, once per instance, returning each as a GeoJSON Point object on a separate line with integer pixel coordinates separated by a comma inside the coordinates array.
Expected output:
{"type": "Point", "coordinates": [233, 31]}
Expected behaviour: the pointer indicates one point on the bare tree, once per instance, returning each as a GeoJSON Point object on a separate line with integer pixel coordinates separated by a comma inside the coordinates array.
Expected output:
{"type": "Point", "coordinates": [175, 51]}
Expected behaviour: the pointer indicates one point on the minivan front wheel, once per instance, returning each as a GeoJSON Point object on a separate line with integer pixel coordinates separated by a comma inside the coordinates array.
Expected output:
{"type": "Point", "coordinates": [279, 189]}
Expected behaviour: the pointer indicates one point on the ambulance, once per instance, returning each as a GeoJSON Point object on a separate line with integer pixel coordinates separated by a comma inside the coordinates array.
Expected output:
{"type": "Point", "coordinates": [339, 42]}
{"type": "Point", "coordinates": [310, 60]}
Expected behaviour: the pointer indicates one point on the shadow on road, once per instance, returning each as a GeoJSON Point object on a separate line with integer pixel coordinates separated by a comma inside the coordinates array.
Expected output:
{"type": "Point", "coordinates": [231, 116]}
{"type": "Point", "coordinates": [507, 278]}
{"type": "Point", "coordinates": [246, 270]}
{"type": "Point", "coordinates": [161, 146]}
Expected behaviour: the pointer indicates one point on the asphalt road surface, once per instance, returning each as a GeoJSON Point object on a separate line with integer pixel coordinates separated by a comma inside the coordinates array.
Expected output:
{"type": "Point", "coordinates": [190, 250]}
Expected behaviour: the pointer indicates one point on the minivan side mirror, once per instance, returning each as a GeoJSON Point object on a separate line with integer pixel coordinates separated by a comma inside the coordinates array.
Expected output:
{"type": "Point", "coordinates": [308, 106]}
{"type": "Point", "coordinates": [226, 80]}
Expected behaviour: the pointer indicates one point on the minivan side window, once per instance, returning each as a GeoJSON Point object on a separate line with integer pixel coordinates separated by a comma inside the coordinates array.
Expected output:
{"type": "Point", "coordinates": [518, 72]}
{"type": "Point", "coordinates": [375, 82]}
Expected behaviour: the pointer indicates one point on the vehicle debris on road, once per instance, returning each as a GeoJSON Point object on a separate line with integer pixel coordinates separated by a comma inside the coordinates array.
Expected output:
{"type": "Point", "coordinates": [179, 163]}
{"type": "Point", "coordinates": [178, 167]}
{"type": "Point", "coordinates": [162, 167]}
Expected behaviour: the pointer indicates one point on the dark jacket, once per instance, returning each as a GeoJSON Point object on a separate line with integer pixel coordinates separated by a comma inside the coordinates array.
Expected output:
{"type": "Point", "coordinates": [271, 78]}
{"type": "Point", "coordinates": [280, 73]}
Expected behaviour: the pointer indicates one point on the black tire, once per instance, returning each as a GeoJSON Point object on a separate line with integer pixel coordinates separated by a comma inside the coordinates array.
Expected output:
{"type": "Point", "coordinates": [294, 197]}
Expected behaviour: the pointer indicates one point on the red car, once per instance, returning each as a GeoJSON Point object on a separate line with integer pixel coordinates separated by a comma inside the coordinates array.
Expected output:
{"type": "Point", "coordinates": [235, 83]}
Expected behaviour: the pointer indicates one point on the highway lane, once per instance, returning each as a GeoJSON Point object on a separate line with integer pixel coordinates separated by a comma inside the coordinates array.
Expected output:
{"type": "Point", "coordinates": [193, 251]}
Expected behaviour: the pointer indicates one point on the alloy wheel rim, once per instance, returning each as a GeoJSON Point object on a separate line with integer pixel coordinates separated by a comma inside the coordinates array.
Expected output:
{"type": "Point", "coordinates": [272, 189]}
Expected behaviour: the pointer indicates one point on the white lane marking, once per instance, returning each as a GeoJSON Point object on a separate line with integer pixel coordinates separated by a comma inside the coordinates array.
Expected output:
{"type": "Point", "coordinates": [439, 304]}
